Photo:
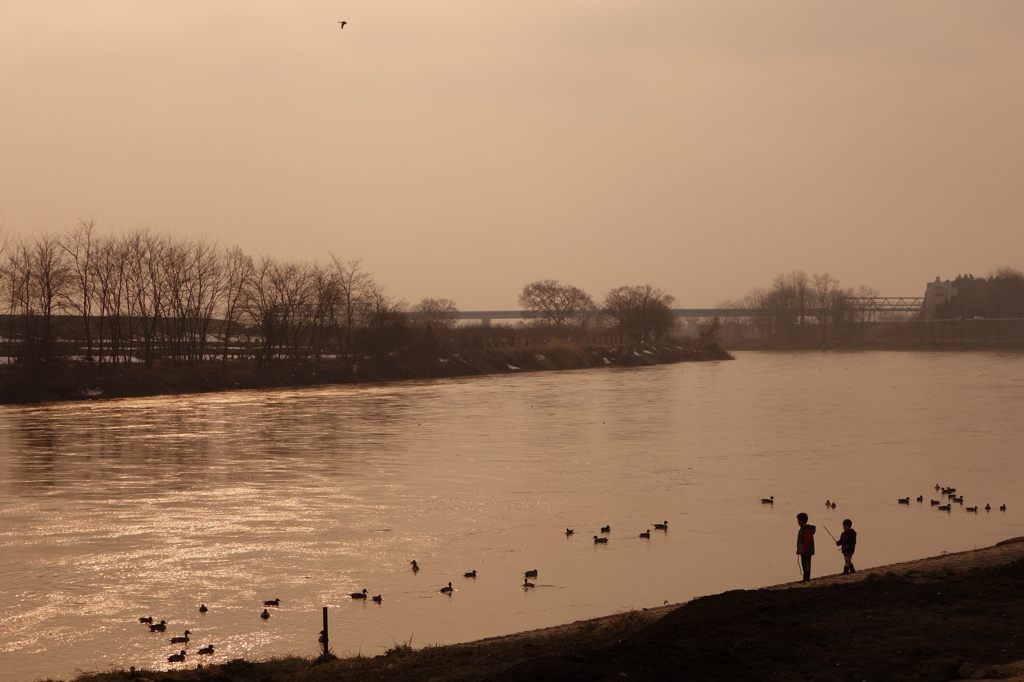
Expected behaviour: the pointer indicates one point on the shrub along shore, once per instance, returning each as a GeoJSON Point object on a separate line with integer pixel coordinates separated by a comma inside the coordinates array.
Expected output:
{"type": "Point", "coordinates": [80, 381]}
{"type": "Point", "coordinates": [950, 617]}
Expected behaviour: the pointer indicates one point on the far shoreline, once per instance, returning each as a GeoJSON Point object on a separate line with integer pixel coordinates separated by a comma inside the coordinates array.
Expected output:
{"type": "Point", "coordinates": [81, 381]}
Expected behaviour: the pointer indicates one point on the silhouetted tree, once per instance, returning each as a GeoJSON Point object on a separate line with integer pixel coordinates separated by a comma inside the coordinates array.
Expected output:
{"type": "Point", "coordinates": [80, 246]}
{"type": "Point", "coordinates": [435, 313]}
{"type": "Point", "coordinates": [555, 303]}
{"type": "Point", "coordinates": [642, 313]}
{"type": "Point", "coordinates": [353, 286]}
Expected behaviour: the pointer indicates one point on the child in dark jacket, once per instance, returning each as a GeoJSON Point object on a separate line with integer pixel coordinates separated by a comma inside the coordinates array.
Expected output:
{"type": "Point", "coordinates": [848, 542]}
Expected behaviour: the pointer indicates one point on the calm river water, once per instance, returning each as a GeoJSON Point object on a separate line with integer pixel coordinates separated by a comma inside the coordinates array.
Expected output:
{"type": "Point", "coordinates": [115, 510]}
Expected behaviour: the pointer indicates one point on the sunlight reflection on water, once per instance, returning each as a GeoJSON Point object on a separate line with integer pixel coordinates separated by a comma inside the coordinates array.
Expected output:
{"type": "Point", "coordinates": [115, 510]}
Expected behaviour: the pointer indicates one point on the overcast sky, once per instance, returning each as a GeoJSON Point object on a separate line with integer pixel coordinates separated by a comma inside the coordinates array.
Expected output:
{"type": "Point", "coordinates": [463, 148]}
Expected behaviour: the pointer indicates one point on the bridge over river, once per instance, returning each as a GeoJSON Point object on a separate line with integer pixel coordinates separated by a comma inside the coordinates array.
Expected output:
{"type": "Point", "coordinates": [876, 304]}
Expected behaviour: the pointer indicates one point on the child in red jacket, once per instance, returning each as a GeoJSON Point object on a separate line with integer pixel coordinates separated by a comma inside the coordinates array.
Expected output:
{"type": "Point", "coordinates": [805, 544]}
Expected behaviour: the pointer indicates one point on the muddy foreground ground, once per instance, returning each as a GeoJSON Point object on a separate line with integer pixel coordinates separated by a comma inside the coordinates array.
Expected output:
{"type": "Point", "coordinates": [952, 617]}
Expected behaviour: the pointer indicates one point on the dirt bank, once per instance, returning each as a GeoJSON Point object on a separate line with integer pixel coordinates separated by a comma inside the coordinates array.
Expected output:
{"type": "Point", "coordinates": [77, 381]}
{"type": "Point", "coordinates": [957, 616]}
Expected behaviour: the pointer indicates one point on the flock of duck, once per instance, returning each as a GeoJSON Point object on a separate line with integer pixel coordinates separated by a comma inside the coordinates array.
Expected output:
{"type": "Point", "coordinates": [363, 594]}
{"type": "Point", "coordinates": [598, 540]}
{"type": "Point", "coordinates": [184, 639]}
{"type": "Point", "coordinates": [950, 493]}
{"type": "Point", "coordinates": [207, 650]}
{"type": "Point", "coordinates": [951, 499]}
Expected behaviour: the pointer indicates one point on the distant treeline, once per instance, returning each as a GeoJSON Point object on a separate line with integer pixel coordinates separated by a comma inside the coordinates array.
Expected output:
{"type": "Point", "coordinates": [813, 311]}
{"type": "Point", "coordinates": [144, 297]}
{"type": "Point", "coordinates": [802, 309]}
{"type": "Point", "coordinates": [147, 298]}
{"type": "Point", "coordinates": [996, 297]}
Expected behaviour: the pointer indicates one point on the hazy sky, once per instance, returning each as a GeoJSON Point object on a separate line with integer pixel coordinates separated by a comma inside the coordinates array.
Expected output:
{"type": "Point", "coordinates": [463, 148]}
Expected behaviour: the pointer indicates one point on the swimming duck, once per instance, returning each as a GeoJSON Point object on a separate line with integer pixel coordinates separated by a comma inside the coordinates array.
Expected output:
{"type": "Point", "coordinates": [920, 498]}
{"type": "Point", "coordinates": [903, 500]}
{"type": "Point", "coordinates": [828, 503]}
{"type": "Point", "coordinates": [159, 627]}
{"type": "Point", "coordinates": [833, 505]}
{"type": "Point", "coordinates": [600, 541]}
{"type": "Point", "coordinates": [272, 602]}
{"type": "Point", "coordinates": [935, 503]}
{"type": "Point", "coordinates": [988, 507]}
{"type": "Point", "coordinates": [415, 566]}
{"type": "Point", "coordinates": [527, 583]}
{"type": "Point", "coordinates": [202, 608]}
{"type": "Point", "coordinates": [1002, 507]}
{"type": "Point", "coordinates": [530, 574]}
{"type": "Point", "coordinates": [768, 500]}
{"type": "Point", "coordinates": [146, 619]}
{"type": "Point", "coordinates": [449, 589]}
{"type": "Point", "coordinates": [645, 534]}
{"type": "Point", "coordinates": [359, 595]}
{"type": "Point", "coordinates": [661, 526]}
{"type": "Point", "coordinates": [206, 650]}
{"type": "Point", "coordinates": [377, 598]}
{"type": "Point", "coordinates": [181, 640]}
{"type": "Point", "coordinates": [265, 614]}
{"type": "Point", "coordinates": [972, 509]}
{"type": "Point", "coordinates": [606, 529]}
{"type": "Point", "coordinates": [944, 507]}
{"type": "Point", "coordinates": [471, 574]}
{"type": "Point", "coordinates": [569, 531]}
{"type": "Point", "coordinates": [176, 658]}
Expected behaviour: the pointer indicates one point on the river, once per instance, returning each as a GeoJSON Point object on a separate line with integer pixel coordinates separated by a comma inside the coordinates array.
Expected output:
{"type": "Point", "coordinates": [112, 510]}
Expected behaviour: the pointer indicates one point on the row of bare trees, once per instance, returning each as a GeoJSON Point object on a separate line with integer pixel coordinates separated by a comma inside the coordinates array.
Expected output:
{"type": "Point", "coordinates": [152, 298]}
{"type": "Point", "coordinates": [799, 308]}
{"type": "Point", "coordinates": [638, 313]}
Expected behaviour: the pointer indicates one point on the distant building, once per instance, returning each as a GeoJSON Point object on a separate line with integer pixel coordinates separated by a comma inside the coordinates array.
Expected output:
{"type": "Point", "coordinates": [937, 293]}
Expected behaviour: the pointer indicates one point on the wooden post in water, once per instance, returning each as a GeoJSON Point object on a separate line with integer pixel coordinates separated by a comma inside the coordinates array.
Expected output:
{"type": "Point", "coordinates": [323, 635]}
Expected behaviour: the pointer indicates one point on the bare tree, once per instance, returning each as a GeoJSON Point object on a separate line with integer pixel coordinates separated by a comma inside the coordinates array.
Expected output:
{"type": "Point", "coordinates": [354, 285]}
{"type": "Point", "coordinates": [236, 274]}
{"type": "Point", "coordinates": [642, 313]}
{"type": "Point", "coordinates": [40, 280]}
{"type": "Point", "coordinates": [111, 274]}
{"type": "Point", "coordinates": [828, 302]}
{"type": "Point", "coordinates": [146, 252]}
{"type": "Point", "coordinates": [436, 313]}
{"type": "Point", "coordinates": [80, 245]}
{"type": "Point", "coordinates": [789, 301]}
{"type": "Point", "coordinates": [275, 302]}
{"type": "Point", "coordinates": [386, 324]}
{"type": "Point", "coordinates": [555, 303]}
{"type": "Point", "coordinates": [707, 331]}
{"type": "Point", "coordinates": [326, 293]}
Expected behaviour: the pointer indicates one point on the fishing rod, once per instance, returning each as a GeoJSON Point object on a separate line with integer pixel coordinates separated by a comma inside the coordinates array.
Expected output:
{"type": "Point", "coordinates": [831, 536]}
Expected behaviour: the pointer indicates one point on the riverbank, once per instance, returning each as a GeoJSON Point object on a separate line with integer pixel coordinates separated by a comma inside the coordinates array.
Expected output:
{"type": "Point", "coordinates": [950, 617]}
{"type": "Point", "coordinates": [79, 381]}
